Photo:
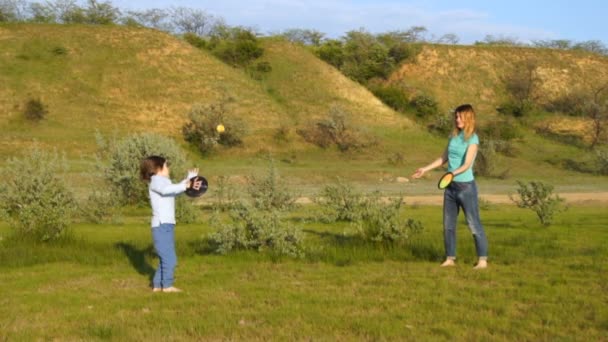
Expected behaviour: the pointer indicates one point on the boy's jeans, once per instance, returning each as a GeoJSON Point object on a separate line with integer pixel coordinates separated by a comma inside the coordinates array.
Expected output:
{"type": "Point", "coordinates": [164, 243]}
{"type": "Point", "coordinates": [462, 195]}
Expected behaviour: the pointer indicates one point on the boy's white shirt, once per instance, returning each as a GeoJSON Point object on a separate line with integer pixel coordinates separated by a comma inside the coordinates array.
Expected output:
{"type": "Point", "coordinates": [162, 198]}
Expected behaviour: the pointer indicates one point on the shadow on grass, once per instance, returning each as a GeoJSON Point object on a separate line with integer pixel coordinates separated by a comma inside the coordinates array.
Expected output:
{"type": "Point", "coordinates": [343, 249]}
{"type": "Point", "coordinates": [137, 258]}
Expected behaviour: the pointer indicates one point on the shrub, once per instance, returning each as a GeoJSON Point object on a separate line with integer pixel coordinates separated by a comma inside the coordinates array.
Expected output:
{"type": "Point", "coordinates": [237, 46]}
{"type": "Point", "coordinates": [537, 196]}
{"type": "Point", "coordinates": [602, 161]}
{"type": "Point", "coordinates": [383, 223]}
{"type": "Point", "coordinates": [516, 109]}
{"type": "Point", "coordinates": [442, 125]}
{"type": "Point", "coordinates": [201, 130]}
{"type": "Point", "coordinates": [101, 207]}
{"type": "Point", "coordinates": [224, 194]}
{"type": "Point", "coordinates": [396, 159]}
{"type": "Point", "coordinates": [485, 162]}
{"type": "Point", "coordinates": [269, 192]}
{"type": "Point", "coordinates": [263, 67]}
{"type": "Point", "coordinates": [425, 105]}
{"type": "Point", "coordinates": [59, 51]}
{"type": "Point", "coordinates": [392, 96]}
{"type": "Point", "coordinates": [124, 158]}
{"type": "Point", "coordinates": [570, 104]}
{"type": "Point", "coordinates": [185, 210]}
{"type": "Point", "coordinates": [35, 110]}
{"type": "Point", "coordinates": [340, 202]}
{"type": "Point", "coordinates": [260, 230]}
{"type": "Point", "coordinates": [337, 130]}
{"type": "Point", "coordinates": [195, 40]}
{"type": "Point", "coordinates": [34, 199]}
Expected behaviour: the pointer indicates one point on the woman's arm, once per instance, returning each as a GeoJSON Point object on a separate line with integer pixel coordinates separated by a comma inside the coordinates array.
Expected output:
{"type": "Point", "coordinates": [435, 164]}
{"type": "Point", "coordinates": [468, 160]}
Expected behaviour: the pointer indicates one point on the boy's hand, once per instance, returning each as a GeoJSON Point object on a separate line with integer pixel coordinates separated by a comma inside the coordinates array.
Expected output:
{"type": "Point", "coordinates": [192, 173]}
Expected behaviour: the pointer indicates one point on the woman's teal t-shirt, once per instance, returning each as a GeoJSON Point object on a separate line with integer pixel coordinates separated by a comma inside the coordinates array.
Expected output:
{"type": "Point", "coordinates": [457, 152]}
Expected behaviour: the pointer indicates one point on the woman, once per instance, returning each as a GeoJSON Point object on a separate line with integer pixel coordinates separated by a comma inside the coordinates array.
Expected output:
{"type": "Point", "coordinates": [462, 192]}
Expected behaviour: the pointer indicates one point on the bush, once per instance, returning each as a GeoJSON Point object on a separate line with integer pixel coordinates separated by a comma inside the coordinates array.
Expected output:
{"type": "Point", "coordinates": [516, 109]}
{"type": "Point", "coordinates": [602, 161]}
{"type": "Point", "coordinates": [383, 223]}
{"type": "Point", "coordinates": [35, 110]}
{"type": "Point", "coordinates": [537, 196]}
{"type": "Point", "coordinates": [237, 46]}
{"type": "Point", "coordinates": [101, 207]}
{"type": "Point", "coordinates": [185, 210]}
{"type": "Point", "coordinates": [442, 125]}
{"type": "Point", "coordinates": [260, 230]}
{"type": "Point", "coordinates": [425, 106]}
{"type": "Point", "coordinates": [340, 202]}
{"type": "Point", "coordinates": [485, 162]}
{"type": "Point", "coordinates": [269, 192]}
{"type": "Point", "coordinates": [502, 133]}
{"type": "Point", "coordinates": [224, 194]}
{"type": "Point", "coordinates": [201, 130]}
{"type": "Point", "coordinates": [36, 202]}
{"type": "Point", "coordinates": [124, 158]}
{"type": "Point", "coordinates": [569, 104]}
{"type": "Point", "coordinates": [392, 96]}
{"type": "Point", "coordinates": [336, 130]}
{"type": "Point", "coordinates": [195, 40]}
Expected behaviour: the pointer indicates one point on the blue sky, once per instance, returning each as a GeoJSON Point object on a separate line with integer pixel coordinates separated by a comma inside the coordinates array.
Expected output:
{"type": "Point", "coordinates": [469, 19]}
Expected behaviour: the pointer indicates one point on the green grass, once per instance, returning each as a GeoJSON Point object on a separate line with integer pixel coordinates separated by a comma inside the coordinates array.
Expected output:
{"type": "Point", "coordinates": [542, 284]}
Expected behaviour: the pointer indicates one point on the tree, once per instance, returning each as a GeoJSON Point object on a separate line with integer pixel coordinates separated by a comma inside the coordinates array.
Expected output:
{"type": "Point", "coordinates": [597, 111]}
{"type": "Point", "coordinates": [448, 38]}
{"type": "Point", "coordinates": [13, 10]}
{"type": "Point", "coordinates": [331, 51]}
{"type": "Point", "coordinates": [304, 36]}
{"type": "Point", "coordinates": [593, 46]}
{"type": "Point", "coordinates": [521, 84]}
{"type": "Point", "coordinates": [191, 20]}
{"type": "Point", "coordinates": [42, 13]}
{"type": "Point", "coordinates": [156, 18]}
{"type": "Point", "coordinates": [101, 13]}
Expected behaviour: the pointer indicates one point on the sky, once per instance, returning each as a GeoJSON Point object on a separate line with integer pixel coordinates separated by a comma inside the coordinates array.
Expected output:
{"type": "Point", "coordinates": [470, 20]}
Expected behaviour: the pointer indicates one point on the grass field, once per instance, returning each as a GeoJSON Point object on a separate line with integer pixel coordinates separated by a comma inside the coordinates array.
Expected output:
{"type": "Point", "coordinates": [543, 284]}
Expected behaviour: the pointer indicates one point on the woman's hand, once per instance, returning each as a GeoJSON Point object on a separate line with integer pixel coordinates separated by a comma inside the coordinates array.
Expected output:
{"type": "Point", "coordinates": [419, 173]}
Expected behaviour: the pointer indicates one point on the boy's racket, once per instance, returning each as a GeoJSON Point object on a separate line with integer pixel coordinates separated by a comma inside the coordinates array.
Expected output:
{"type": "Point", "coordinates": [445, 180]}
{"type": "Point", "coordinates": [191, 192]}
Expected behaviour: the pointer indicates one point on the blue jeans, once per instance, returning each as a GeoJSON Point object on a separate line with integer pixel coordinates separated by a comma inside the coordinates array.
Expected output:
{"type": "Point", "coordinates": [164, 243]}
{"type": "Point", "coordinates": [462, 195]}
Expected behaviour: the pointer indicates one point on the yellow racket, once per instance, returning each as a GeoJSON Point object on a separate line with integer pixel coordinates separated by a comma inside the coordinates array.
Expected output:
{"type": "Point", "coordinates": [445, 180]}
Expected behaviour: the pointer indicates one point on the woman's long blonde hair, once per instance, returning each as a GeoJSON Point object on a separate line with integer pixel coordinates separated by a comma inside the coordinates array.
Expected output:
{"type": "Point", "coordinates": [467, 114]}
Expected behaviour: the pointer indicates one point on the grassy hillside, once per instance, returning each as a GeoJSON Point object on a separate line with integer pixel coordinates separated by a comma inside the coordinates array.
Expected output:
{"type": "Point", "coordinates": [123, 80]}
{"type": "Point", "coordinates": [473, 74]}
{"type": "Point", "coordinates": [130, 79]}
{"type": "Point", "coordinates": [112, 79]}
{"type": "Point", "coordinates": [307, 87]}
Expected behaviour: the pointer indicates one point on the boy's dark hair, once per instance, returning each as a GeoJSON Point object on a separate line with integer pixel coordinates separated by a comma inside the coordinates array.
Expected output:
{"type": "Point", "coordinates": [150, 166]}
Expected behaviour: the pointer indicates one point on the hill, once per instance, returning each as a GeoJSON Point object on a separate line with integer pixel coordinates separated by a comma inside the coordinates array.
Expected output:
{"type": "Point", "coordinates": [463, 74]}
{"type": "Point", "coordinates": [122, 79]}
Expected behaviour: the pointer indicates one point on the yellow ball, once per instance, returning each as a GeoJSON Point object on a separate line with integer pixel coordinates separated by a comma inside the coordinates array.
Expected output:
{"type": "Point", "coordinates": [220, 128]}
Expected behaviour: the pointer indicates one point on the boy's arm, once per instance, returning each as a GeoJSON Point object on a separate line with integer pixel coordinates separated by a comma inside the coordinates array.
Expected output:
{"type": "Point", "coordinates": [166, 189]}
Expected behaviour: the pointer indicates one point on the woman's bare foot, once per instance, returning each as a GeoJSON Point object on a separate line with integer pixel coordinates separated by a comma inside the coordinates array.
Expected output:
{"type": "Point", "coordinates": [448, 263]}
{"type": "Point", "coordinates": [157, 289]}
{"type": "Point", "coordinates": [482, 263]}
{"type": "Point", "coordinates": [171, 289]}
